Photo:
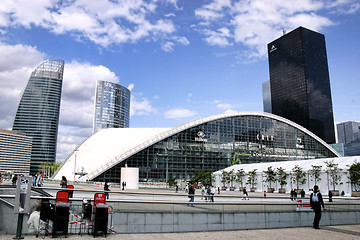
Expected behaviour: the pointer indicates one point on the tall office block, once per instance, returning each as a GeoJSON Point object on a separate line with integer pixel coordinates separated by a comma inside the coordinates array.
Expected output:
{"type": "Point", "coordinates": [112, 106]}
{"type": "Point", "coordinates": [15, 152]}
{"type": "Point", "coordinates": [349, 134]}
{"type": "Point", "coordinates": [38, 112]}
{"type": "Point", "coordinates": [266, 96]}
{"type": "Point", "coordinates": [299, 81]}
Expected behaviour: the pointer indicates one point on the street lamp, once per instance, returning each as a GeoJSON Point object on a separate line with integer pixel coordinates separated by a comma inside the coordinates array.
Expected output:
{"type": "Point", "coordinates": [75, 164]}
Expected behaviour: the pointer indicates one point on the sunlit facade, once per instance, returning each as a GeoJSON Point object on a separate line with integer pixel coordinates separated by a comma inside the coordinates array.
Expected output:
{"type": "Point", "coordinates": [112, 106]}
{"type": "Point", "coordinates": [38, 112]}
{"type": "Point", "coordinates": [207, 144]}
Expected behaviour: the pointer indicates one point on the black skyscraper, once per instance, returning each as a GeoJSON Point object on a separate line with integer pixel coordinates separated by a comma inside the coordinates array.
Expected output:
{"type": "Point", "coordinates": [299, 81]}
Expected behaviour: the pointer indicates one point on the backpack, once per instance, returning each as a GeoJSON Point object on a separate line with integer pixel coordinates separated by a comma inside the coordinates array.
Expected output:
{"type": "Point", "coordinates": [315, 197]}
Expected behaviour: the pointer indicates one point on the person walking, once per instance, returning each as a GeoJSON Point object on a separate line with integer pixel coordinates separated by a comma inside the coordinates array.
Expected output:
{"type": "Point", "coordinates": [191, 193]}
{"type": "Point", "coordinates": [316, 201]}
{"type": "Point", "coordinates": [40, 180]}
{"type": "Point", "coordinates": [63, 182]}
{"type": "Point", "coordinates": [106, 189]}
{"type": "Point", "coordinates": [245, 194]}
{"type": "Point", "coordinates": [34, 179]}
{"type": "Point", "coordinates": [212, 193]}
{"type": "Point", "coordinates": [14, 179]}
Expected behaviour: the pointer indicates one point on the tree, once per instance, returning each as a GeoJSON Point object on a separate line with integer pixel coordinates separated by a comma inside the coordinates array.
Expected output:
{"type": "Point", "coordinates": [224, 176]}
{"type": "Point", "coordinates": [172, 182]}
{"type": "Point", "coordinates": [202, 177]}
{"type": "Point", "coordinates": [281, 176]}
{"type": "Point", "coordinates": [231, 177]}
{"type": "Point", "coordinates": [354, 175]}
{"type": "Point", "coordinates": [252, 178]}
{"type": "Point", "coordinates": [270, 175]}
{"type": "Point", "coordinates": [49, 168]}
{"type": "Point", "coordinates": [299, 176]}
{"type": "Point", "coordinates": [240, 176]}
{"type": "Point", "coordinates": [315, 173]}
{"type": "Point", "coordinates": [333, 170]}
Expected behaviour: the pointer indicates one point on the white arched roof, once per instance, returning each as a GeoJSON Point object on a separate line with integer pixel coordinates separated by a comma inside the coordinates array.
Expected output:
{"type": "Point", "coordinates": [108, 147]}
{"type": "Point", "coordinates": [343, 163]}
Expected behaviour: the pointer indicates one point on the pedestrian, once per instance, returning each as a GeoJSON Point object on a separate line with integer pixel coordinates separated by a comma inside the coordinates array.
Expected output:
{"type": "Point", "coordinates": [34, 179]}
{"type": "Point", "coordinates": [316, 201]}
{"type": "Point", "coordinates": [342, 193]}
{"type": "Point", "coordinates": [330, 196]}
{"type": "Point", "coordinates": [202, 192]}
{"type": "Point", "coordinates": [123, 185]}
{"type": "Point", "coordinates": [40, 180]}
{"type": "Point", "coordinates": [1, 179]}
{"type": "Point", "coordinates": [106, 189]}
{"type": "Point", "coordinates": [63, 182]}
{"type": "Point", "coordinates": [212, 193]}
{"type": "Point", "coordinates": [186, 189]}
{"type": "Point", "coordinates": [302, 193]}
{"type": "Point", "coordinates": [14, 179]}
{"type": "Point", "coordinates": [176, 188]}
{"type": "Point", "coordinates": [245, 194]}
{"type": "Point", "coordinates": [191, 193]}
{"type": "Point", "coordinates": [292, 194]}
{"type": "Point", "coordinates": [265, 194]}
{"type": "Point", "coordinates": [219, 190]}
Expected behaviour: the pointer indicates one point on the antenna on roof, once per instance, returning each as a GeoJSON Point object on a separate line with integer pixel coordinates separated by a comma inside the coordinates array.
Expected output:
{"type": "Point", "coordinates": [284, 31]}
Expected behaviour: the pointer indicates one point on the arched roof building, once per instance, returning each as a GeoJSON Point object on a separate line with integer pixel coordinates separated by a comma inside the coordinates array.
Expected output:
{"type": "Point", "coordinates": [206, 144]}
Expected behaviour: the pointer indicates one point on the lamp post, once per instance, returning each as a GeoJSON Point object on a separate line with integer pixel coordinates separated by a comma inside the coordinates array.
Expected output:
{"type": "Point", "coordinates": [75, 164]}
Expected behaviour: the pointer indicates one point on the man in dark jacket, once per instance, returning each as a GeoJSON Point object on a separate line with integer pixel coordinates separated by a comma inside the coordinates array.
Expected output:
{"type": "Point", "coordinates": [316, 201]}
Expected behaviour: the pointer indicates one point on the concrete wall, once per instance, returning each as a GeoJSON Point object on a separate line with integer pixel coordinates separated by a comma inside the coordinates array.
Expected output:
{"type": "Point", "coordinates": [189, 222]}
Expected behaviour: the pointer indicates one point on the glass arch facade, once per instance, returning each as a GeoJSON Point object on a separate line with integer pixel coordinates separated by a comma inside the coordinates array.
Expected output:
{"type": "Point", "coordinates": [38, 112]}
{"type": "Point", "coordinates": [220, 143]}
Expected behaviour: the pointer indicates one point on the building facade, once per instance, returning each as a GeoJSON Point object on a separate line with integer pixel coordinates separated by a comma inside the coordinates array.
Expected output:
{"type": "Point", "coordinates": [15, 152]}
{"type": "Point", "coordinates": [299, 81]}
{"type": "Point", "coordinates": [207, 144]}
{"type": "Point", "coordinates": [112, 106]}
{"type": "Point", "coordinates": [38, 112]}
{"type": "Point", "coordinates": [266, 96]}
{"type": "Point", "coordinates": [348, 133]}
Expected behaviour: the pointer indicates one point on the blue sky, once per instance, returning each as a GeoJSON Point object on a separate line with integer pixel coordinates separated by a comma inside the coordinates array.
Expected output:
{"type": "Point", "coordinates": [181, 59]}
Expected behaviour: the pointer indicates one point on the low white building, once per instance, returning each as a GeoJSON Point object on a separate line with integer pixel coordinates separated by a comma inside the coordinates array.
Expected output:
{"type": "Point", "coordinates": [324, 184]}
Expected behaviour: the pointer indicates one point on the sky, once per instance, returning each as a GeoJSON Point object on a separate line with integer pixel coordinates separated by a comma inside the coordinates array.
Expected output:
{"type": "Point", "coordinates": [181, 59]}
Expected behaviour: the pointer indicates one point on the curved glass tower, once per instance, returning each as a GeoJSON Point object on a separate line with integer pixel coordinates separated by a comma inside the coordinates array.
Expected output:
{"type": "Point", "coordinates": [112, 106]}
{"type": "Point", "coordinates": [38, 112]}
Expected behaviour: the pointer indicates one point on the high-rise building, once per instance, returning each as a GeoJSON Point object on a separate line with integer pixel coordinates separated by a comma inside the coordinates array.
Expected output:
{"type": "Point", "coordinates": [348, 133]}
{"type": "Point", "coordinates": [266, 96]}
{"type": "Point", "coordinates": [112, 106]}
{"type": "Point", "coordinates": [299, 81]}
{"type": "Point", "coordinates": [15, 152]}
{"type": "Point", "coordinates": [38, 112]}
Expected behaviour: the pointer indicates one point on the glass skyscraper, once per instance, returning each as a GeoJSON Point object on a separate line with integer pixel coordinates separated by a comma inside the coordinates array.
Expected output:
{"type": "Point", "coordinates": [299, 81]}
{"type": "Point", "coordinates": [348, 133]}
{"type": "Point", "coordinates": [38, 112]}
{"type": "Point", "coordinates": [112, 106]}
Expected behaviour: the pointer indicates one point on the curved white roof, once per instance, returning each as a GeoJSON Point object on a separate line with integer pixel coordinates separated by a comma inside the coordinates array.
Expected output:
{"type": "Point", "coordinates": [343, 163]}
{"type": "Point", "coordinates": [108, 147]}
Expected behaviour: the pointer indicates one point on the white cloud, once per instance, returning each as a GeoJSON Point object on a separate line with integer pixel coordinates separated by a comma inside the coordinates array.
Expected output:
{"type": "Point", "coordinates": [141, 107]}
{"type": "Point", "coordinates": [256, 23]}
{"type": "Point", "coordinates": [103, 22]}
{"type": "Point", "coordinates": [179, 113]}
{"type": "Point", "coordinates": [16, 64]}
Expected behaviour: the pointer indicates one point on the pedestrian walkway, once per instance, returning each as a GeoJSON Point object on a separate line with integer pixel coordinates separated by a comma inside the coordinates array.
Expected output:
{"type": "Point", "coordinates": [347, 232]}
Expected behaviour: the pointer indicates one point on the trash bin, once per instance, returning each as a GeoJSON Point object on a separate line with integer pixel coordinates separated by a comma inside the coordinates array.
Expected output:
{"type": "Point", "coordinates": [87, 209]}
{"type": "Point", "coordinates": [61, 216]}
{"type": "Point", "coordinates": [100, 215]}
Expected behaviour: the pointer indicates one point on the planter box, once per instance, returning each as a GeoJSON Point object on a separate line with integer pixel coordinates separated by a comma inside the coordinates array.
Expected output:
{"type": "Point", "coordinates": [253, 189]}
{"type": "Point", "coordinates": [335, 192]}
{"type": "Point", "coordinates": [232, 189]}
{"type": "Point", "coordinates": [355, 194]}
{"type": "Point", "coordinates": [282, 190]}
{"type": "Point", "coordinates": [270, 190]}
{"type": "Point", "coordinates": [223, 188]}
{"type": "Point", "coordinates": [241, 188]}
